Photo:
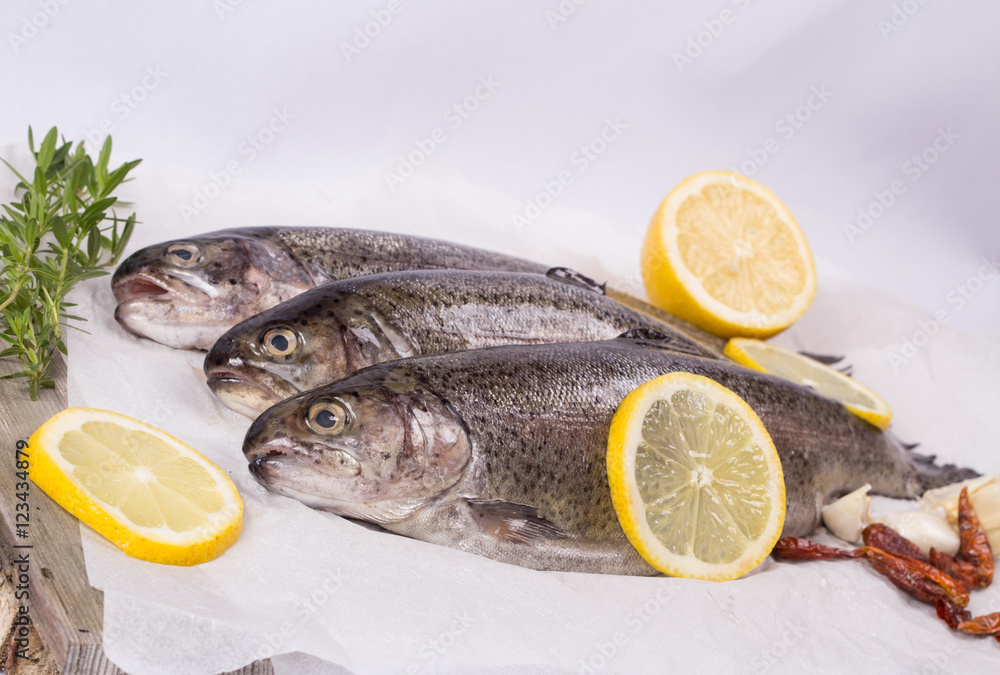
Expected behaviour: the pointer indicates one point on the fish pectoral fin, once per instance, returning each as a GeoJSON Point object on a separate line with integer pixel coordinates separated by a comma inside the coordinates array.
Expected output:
{"type": "Point", "coordinates": [650, 337]}
{"type": "Point", "coordinates": [573, 277]}
{"type": "Point", "coordinates": [509, 521]}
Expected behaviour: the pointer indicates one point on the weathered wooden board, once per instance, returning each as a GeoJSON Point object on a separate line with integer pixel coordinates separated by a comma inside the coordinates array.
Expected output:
{"type": "Point", "coordinates": [65, 609]}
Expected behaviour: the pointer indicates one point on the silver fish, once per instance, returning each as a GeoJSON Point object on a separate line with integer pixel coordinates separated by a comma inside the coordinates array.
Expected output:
{"type": "Point", "coordinates": [501, 451]}
{"type": "Point", "coordinates": [187, 292]}
{"type": "Point", "coordinates": [326, 333]}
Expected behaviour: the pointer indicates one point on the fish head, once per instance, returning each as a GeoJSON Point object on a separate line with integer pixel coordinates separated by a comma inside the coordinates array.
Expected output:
{"type": "Point", "coordinates": [185, 293]}
{"type": "Point", "coordinates": [365, 447]}
{"type": "Point", "coordinates": [316, 338]}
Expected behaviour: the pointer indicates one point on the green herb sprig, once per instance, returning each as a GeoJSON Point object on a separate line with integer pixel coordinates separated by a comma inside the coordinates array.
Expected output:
{"type": "Point", "coordinates": [51, 239]}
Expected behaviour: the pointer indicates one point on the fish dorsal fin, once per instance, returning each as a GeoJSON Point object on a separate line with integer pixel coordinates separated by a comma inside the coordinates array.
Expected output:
{"type": "Point", "coordinates": [512, 522]}
{"type": "Point", "coordinates": [650, 337]}
{"type": "Point", "coordinates": [829, 360]}
{"type": "Point", "coordinates": [825, 359]}
{"type": "Point", "coordinates": [573, 277]}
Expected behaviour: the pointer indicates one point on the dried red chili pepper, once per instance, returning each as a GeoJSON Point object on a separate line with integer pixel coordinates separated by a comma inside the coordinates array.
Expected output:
{"type": "Point", "coordinates": [797, 548]}
{"type": "Point", "coordinates": [975, 548]}
{"type": "Point", "coordinates": [887, 539]}
{"type": "Point", "coordinates": [919, 579]}
{"type": "Point", "coordinates": [961, 571]}
{"type": "Point", "coordinates": [982, 625]}
{"type": "Point", "coordinates": [951, 614]}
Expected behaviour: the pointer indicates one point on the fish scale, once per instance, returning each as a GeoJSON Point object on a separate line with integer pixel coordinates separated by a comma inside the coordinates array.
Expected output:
{"type": "Point", "coordinates": [233, 274]}
{"type": "Point", "coordinates": [533, 489]}
{"type": "Point", "coordinates": [336, 253]}
{"type": "Point", "coordinates": [335, 327]}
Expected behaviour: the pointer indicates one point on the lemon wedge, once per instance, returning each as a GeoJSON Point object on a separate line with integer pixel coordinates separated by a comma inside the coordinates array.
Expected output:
{"type": "Point", "coordinates": [153, 496]}
{"type": "Point", "coordinates": [695, 478]}
{"type": "Point", "coordinates": [723, 253]}
{"type": "Point", "coordinates": [819, 377]}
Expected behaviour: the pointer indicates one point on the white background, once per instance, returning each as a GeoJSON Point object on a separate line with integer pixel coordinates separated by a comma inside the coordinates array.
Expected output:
{"type": "Point", "coordinates": [897, 71]}
{"type": "Point", "coordinates": [223, 74]}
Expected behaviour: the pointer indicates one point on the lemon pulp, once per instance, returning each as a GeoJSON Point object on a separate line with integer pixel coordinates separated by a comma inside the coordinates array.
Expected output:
{"type": "Point", "coordinates": [724, 253]}
{"type": "Point", "coordinates": [808, 372]}
{"type": "Point", "coordinates": [152, 495]}
{"type": "Point", "coordinates": [696, 481]}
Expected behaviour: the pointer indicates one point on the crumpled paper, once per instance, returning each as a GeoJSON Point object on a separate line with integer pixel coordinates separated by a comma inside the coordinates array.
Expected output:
{"type": "Point", "coordinates": [320, 594]}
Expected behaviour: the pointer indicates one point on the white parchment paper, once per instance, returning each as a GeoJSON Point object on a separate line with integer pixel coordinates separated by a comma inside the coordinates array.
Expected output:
{"type": "Point", "coordinates": [323, 595]}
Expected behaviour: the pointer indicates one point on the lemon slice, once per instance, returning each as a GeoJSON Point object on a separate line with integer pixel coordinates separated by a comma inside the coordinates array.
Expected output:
{"type": "Point", "coordinates": [695, 478]}
{"type": "Point", "coordinates": [153, 496]}
{"type": "Point", "coordinates": [725, 254]}
{"type": "Point", "coordinates": [819, 377]}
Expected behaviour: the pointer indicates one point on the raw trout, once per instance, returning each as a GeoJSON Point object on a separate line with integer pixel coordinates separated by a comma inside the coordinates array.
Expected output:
{"type": "Point", "coordinates": [501, 451]}
{"type": "Point", "coordinates": [327, 333]}
{"type": "Point", "coordinates": [186, 293]}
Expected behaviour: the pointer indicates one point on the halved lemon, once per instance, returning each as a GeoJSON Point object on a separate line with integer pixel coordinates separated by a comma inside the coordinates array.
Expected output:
{"type": "Point", "coordinates": [153, 496]}
{"type": "Point", "coordinates": [725, 254]}
{"type": "Point", "coordinates": [819, 377]}
{"type": "Point", "coordinates": [695, 478]}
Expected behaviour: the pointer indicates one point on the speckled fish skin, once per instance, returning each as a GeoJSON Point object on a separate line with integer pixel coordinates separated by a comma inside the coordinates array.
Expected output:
{"type": "Point", "coordinates": [459, 449]}
{"type": "Point", "coordinates": [242, 271]}
{"type": "Point", "coordinates": [340, 327]}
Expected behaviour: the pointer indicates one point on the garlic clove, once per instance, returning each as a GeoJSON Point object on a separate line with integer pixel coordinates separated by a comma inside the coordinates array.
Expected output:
{"type": "Point", "coordinates": [924, 529]}
{"type": "Point", "coordinates": [984, 495]}
{"type": "Point", "coordinates": [847, 517]}
{"type": "Point", "coordinates": [947, 496]}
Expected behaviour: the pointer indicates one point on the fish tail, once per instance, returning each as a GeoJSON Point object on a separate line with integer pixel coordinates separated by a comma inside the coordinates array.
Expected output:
{"type": "Point", "coordinates": [927, 474]}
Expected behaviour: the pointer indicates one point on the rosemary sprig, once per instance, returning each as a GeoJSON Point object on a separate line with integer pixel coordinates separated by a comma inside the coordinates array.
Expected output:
{"type": "Point", "coordinates": [57, 234]}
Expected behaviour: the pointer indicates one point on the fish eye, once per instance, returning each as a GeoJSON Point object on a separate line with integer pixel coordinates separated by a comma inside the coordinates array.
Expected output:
{"type": "Point", "coordinates": [280, 342]}
{"type": "Point", "coordinates": [327, 417]}
{"type": "Point", "coordinates": [183, 255]}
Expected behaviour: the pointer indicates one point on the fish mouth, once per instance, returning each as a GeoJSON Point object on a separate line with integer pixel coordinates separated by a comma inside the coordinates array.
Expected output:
{"type": "Point", "coordinates": [167, 309]}
{"type": "Point", "coordinates": [273, 473]}
{"type": "Point", "coordinates": [140, 286]}
{"type": "Point", "coordinates": [248, 396]}
{"type": "Point", "coordinates": [289, 476]}
{"type": "Point", "coordinates": [242, 395]}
